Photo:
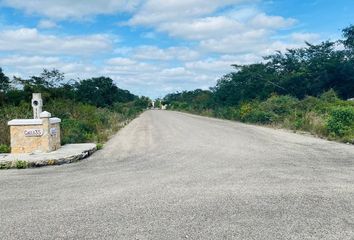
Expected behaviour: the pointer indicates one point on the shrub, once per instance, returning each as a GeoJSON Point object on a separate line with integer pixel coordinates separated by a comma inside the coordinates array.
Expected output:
{"type": "Point", "coordinates": [5, 165]}
{"type": "Point", "coordinates": [341, 121]}
{"type": "Point", "coordinates": [329, 96]}
{"type": "Point", "coordinates": [257, 116]}
{"type": "Point", "coordinates": [279, 107]}
{"type": "Point", "coordinates": [75, 131]}
{"type": "Point", "coordinates": [311, 104]}
{"type": "Point", "coordinates": [127, 110]}
{"type": "Point", "coordinates": [99, 146]}
{"type": "Point", "coordinates": [253, 114]}
{"type": "Point", "coordinates": [245, 109]}
{"type": "Point", "coordinates": [207, 113]}
{"type": "Point", "coordinates": [4, 148]}
{"type": "Point", "coordinates": [179, 106]}
{"type": "Point", "coordinates": [231, 113]}
{"type": "Point", "coordinates": [311, 122]}
{"type": "Point", "coordinates": [21, 164]}
{"type": "Point", "coordinates": [9, 112]}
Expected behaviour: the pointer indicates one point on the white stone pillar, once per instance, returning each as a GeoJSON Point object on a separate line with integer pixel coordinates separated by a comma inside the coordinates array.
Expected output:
{"type": "Point", "coordinates": [46, 138]}
{"type": "Point", "coordinates": [37, 104]}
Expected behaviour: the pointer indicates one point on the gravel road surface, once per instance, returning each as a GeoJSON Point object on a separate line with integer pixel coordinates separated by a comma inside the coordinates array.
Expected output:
{"type": "Point", "coordinates": [170, 175]}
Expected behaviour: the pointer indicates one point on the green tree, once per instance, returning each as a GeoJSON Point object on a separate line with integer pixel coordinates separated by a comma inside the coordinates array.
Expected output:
{"type": "Point", "coordinates": [101, 92]}
{"type": "Point", "coordinates": [4, 82]}
{"type": "Point", "coordinates": [348, 34]}
{"type": "Point", "coordinates": [249, 82]}
{"type": "Point", "coordinates": [4, 86]}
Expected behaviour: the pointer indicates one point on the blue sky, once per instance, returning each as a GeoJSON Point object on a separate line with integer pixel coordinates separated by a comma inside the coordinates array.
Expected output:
{"type": "Point", "coordinates": [154, 47]}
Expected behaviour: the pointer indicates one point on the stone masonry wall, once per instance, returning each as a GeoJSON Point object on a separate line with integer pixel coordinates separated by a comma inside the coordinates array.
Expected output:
{"type": "Point", "coordinates": [55, 141]}
{"type": "Point", "coordinates": [22, 142]}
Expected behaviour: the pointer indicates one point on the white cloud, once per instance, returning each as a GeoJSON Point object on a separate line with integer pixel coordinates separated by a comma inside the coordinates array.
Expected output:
{"type": "Point", "coordinates": [157, 11]}
{"type": "Point", "coordinates": [121, 61]}
{"type": "Point", "coordinates": [246, 42]}
{"type": "Point", "coordinates": [29, 40]}
{"type": "Point", "coordinates": [171, 53]}
{"type": "Point", "coordinates": [33, 61]}
{"type": "Point", "coordinates": [236, 22]}
{"type": "Point", "coordinates": [69, 9]}
{"type": "Point", "coordinates": [255, 42]}
{"type": "Point", "coordinates": [271, 22]}
{"type": "Point", "coordinates": [233, 31]}
{"type": "Point", "coordinates": [302, 37]}
{"type": "Point", "coordinates": [183, 53]}
{"type": "Point", "coordinates": [270, 48]}
{"type": "Point", "coordinates": [32, 65]}
{"type": "Point", "coordinates": [47, 24]}
{"type": "Point", "coordinates": [175, 72]}
{"type": "Point", "coordinates": [130, 67]}
{"type": "Point", "coordinates": [150, 53]}
{"type": "Point", "coordinates": [202, 28]}
{"type": "Point", "coordinates": [243, 14]}
{"type": "Point", "coordinates": [155, 79]}
{"type": "Point", "coordinates": [221, 65]}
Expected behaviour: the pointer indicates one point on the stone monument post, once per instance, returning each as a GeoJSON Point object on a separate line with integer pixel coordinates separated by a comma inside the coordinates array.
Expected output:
{"type": "Point", "coordinates": [37, 104]}
{"type": "Point", "coordinates": [40, 134]}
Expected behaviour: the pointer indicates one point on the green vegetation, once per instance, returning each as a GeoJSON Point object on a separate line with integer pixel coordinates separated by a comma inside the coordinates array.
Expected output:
{"type": "Point", "coordinates": [4, 148]}
{"type": "Point", "coordinates": [91, 110]}
{"type": "Point", "coordinates": [302, 89]}
{"type": "Point", "coordinates": [341, 122]}
{"type": "Point", "coordinates": [5, 166]}
{"type": "Point", "coordinates": [21, 164]}
{"type": "Point", "coordinates": [99, 146]}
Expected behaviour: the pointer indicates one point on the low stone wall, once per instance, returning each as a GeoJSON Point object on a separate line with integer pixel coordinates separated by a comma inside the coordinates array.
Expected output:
{"type": "Point", "coordinates": [66, 154]}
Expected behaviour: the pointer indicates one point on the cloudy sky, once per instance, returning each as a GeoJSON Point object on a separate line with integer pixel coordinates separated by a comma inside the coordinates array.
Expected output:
{"type": "Point", "coordinates": [153, 47]}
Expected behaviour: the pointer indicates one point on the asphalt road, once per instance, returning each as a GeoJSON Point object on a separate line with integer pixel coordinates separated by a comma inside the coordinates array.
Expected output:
{"type": "Point", "coordinates": [171, 175]}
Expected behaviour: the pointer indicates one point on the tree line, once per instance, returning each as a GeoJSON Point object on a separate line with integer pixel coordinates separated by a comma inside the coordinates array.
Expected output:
{"type": "Point", "coordinates": [100, 91]}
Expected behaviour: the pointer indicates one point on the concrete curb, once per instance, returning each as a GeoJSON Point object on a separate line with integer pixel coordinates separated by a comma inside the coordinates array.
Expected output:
{"type": "Point", "coordinates": [66, 154]}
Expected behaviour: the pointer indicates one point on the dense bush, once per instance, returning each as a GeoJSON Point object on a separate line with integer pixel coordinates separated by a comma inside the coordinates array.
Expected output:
{"type": "Point", "coordinates": [257, 116]}
{"type": "Point", "coordinates": [4, 148]}
{"type": "Point", "coordinates": [278, 107]}
{"type": "Point", "coordinates": [75, 131]}
{"type": "Point", "coordinates": [341, 122]}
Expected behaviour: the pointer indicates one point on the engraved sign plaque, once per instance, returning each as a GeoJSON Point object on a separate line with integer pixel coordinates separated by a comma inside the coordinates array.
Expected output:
{"type": "Point", "coordinates": [33, 132]}
{"type": "Point", "coordinates": [53, 131]}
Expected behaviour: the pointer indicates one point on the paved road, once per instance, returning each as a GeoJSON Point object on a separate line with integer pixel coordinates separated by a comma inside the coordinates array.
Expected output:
{"type": "Point", "coordinates": [170, 175]}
